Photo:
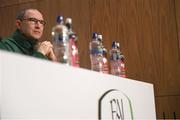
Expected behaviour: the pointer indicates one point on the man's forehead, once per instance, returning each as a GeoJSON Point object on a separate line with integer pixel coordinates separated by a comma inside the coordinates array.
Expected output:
{"type": "Point", "coordinates": [33, 13]}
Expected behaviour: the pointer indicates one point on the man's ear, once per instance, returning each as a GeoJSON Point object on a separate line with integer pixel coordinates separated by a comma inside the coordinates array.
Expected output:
{"type": "Point", "coordinates": [18, 24]}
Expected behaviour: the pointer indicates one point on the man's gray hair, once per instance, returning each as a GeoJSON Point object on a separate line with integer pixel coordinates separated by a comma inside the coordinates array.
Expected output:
{"type": "Point", "coordinates": [21, 14]}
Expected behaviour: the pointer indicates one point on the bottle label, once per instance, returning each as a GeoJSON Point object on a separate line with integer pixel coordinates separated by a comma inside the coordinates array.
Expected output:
{"type": "Point", "coordinates": [95, 48]}
{"type": "Point", "coordinates": [122, 67]}
{"type": "Point", "coordinates": [96, 51]}
{"type": "Point", "coordinates": [105, 66]}
{"type": "Point", "coordinates": [96, 63]}
{"type": "Point", "coordinates": [118, 68]}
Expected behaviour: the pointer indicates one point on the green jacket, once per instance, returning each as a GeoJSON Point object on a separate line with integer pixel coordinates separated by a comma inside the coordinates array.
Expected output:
{"type": "Point", "coordinates": [18, 43]}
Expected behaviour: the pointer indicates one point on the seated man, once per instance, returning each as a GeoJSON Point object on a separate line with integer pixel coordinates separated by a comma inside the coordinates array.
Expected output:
{"type": "Point", "coordinates": [25, 40]}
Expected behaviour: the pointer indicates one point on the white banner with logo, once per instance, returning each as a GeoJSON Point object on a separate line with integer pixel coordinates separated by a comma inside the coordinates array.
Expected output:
{"type": "Point", "coordinates": [32, 88]}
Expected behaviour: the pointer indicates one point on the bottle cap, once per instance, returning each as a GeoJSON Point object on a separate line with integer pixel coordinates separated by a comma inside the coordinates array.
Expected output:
{"type": "Point", "coordinates": [104, 51]}
{"type": "Point", "coordinates": [118, 45]}
{"type": "Point", "coordinates": [114, 44]}
{"type": "Point", "coordinates": [95, 35]}
{"type": "Point", "coordinates": [59, 19]}
{"type": "Point", "coordinates": [68, 21]}
{"type": "Point", "coordinates": [100, 37]}
{"type": "Point", "coordinates": [73, 36]}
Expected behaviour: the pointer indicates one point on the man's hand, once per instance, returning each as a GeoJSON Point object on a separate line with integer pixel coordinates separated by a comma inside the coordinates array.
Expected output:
{"type": "Point", "coordinates": [46, 48]}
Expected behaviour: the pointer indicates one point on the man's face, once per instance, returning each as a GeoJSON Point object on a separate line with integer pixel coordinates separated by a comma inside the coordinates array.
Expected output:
{"type": "Point", "coordinates": [32, 25]}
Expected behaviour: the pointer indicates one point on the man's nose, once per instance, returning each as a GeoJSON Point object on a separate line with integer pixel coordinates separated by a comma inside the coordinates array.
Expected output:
{"type": "Point", "coordinates": [38, 25]}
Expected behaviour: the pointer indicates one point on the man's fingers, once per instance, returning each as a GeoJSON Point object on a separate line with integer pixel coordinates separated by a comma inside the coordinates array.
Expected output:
{"type": "Point", "coordinates": [46, 48]}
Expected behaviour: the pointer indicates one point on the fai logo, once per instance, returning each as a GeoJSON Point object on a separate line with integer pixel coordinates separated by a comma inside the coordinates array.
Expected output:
{"type": "Point", "coordinates": [115, 105]}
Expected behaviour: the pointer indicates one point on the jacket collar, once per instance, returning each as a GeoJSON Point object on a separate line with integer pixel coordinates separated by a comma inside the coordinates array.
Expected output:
{"type": "Point", "coordinates": [26, 43]}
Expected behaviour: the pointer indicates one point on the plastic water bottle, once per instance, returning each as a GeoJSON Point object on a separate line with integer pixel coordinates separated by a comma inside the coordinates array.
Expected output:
{"type": "Point", "coordinates": [72, 44]}
{"type": "Point", "coordinates": [96, 53]}
{"type": "Point", "coordinates": [61, 41]}
{"type": "Point", "coordinates": [105, 66]}
{"type": "Point", "coordinates": [117, 61]}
